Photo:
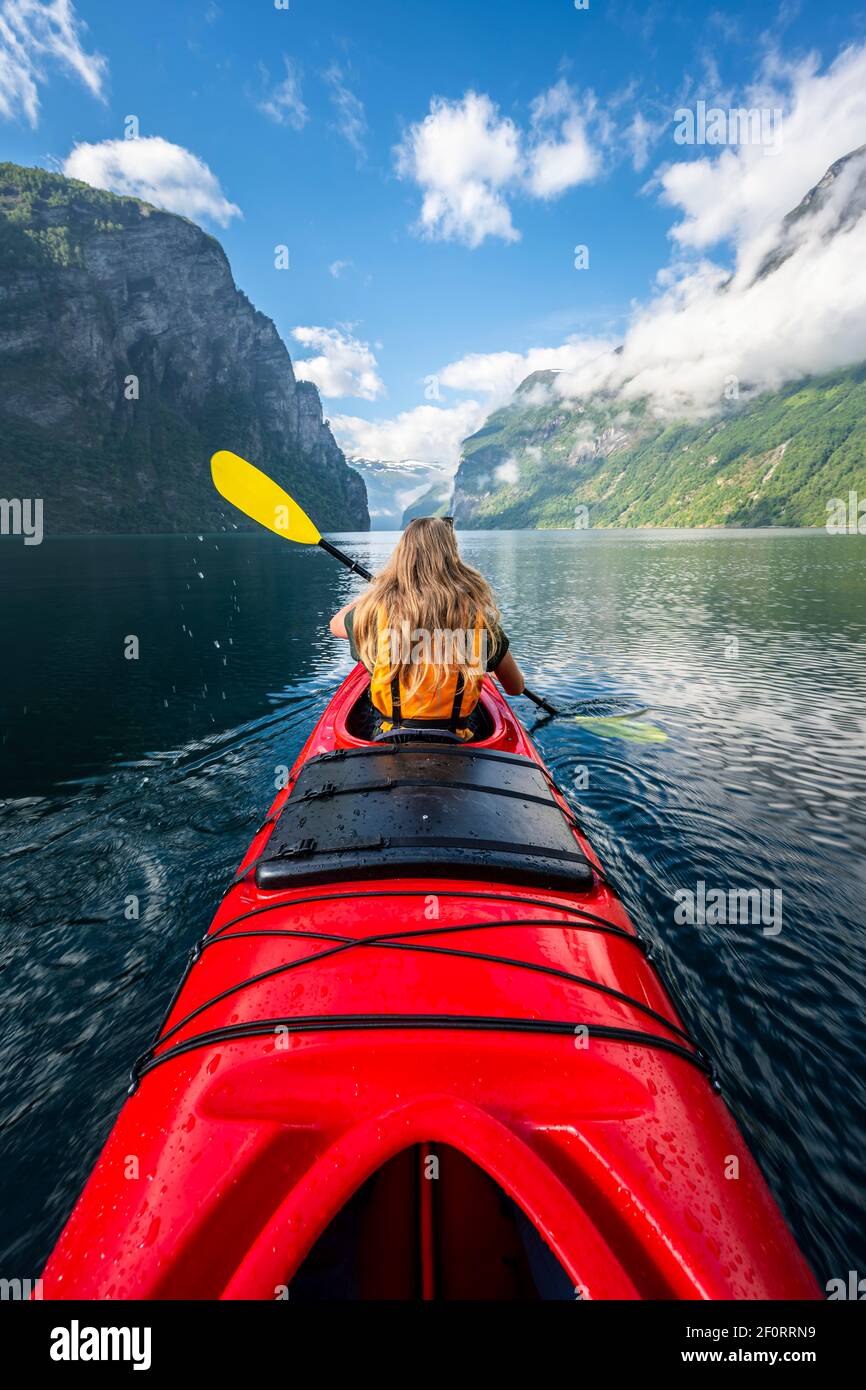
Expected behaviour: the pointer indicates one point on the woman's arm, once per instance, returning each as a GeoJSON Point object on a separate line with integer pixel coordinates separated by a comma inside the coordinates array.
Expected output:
{"type": "Point", "coordinates": [509, 675]}
{"type": "Point", "coordinates": [338, 622]}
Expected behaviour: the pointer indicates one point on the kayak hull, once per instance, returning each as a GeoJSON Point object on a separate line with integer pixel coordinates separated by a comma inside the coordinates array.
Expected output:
{"type": "Point", "coordinates": [491, 1047]}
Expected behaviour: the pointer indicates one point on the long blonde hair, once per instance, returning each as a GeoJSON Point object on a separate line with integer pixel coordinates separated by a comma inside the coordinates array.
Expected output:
{"type": "Point", "coordinates": [425, 587]}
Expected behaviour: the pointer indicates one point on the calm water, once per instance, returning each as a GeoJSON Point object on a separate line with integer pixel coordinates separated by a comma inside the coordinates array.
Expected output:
{"type": "Point", "coordinates": [148, 777]}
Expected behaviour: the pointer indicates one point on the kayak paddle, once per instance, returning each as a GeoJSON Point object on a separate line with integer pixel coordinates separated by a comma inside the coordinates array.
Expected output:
{"type": "Point", "coordinates": [261, 499]}
{"type": "Point", "coordinates": [264, 501]}
{"type": "Point", "coordinates": [599, 707]}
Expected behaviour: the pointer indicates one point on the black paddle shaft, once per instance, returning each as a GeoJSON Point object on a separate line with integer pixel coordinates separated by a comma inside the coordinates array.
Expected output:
{"type": "Point", "coordinates": [540, 701]}
{"type": "Point", "coordinates": [344, 559]}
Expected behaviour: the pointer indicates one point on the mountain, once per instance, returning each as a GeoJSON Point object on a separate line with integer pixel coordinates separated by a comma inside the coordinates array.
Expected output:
{"type": "Point", "coordinates": [128, 356]}
{"type": "Point", "coordinates": [546, 460]}
{"type": "Point", "coordinates": [436, 501]}
{"type": "Point", "coordinates": [774, 462]}
{"type": "Point", "coordinates": [394, 488]}
{"type": "Point", "coordinates": [850, 169]}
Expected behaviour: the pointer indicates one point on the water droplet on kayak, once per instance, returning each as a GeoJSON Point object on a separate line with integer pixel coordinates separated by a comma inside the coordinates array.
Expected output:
{"type": "Point", "coordinates": [152, 1233]}
{"type": "Point", "coordinates": [658, 1159]}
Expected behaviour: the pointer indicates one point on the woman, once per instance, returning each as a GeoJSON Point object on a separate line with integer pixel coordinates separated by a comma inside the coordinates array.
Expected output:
{"type": "Point", "coordinates": [428, 630]}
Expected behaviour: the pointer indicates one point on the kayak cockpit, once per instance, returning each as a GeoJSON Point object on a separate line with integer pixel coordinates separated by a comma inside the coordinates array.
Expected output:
{"type": "Point", "coordinates": [364, 722]}
{"type": "Point", "coordinates": [430, 1225]}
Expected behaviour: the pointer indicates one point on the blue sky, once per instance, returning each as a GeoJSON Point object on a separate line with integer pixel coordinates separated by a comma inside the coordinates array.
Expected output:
{"type": "Point", "coordinates": [547, 127]}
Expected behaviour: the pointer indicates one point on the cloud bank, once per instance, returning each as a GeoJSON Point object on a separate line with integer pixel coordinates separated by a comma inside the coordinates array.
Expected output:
{"type": "Point", "coordinates": [795, 303]}
{"type": "Point", "coordinates": [786, 298]}
{"type": "Point", "coordinates": [427, 434]}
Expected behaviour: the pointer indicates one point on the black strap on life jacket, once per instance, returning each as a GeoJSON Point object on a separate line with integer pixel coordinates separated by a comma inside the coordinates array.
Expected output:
{"type": "Point", "coordinates": [458, 700]}
{"type": "Point", "coordinates": [453, 721]}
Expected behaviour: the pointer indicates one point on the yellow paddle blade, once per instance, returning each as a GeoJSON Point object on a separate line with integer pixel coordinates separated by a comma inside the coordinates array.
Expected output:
{"type": "Point", "coordinates": [632, 730]}
{"type": "Point", "coordinates": [259, 497]}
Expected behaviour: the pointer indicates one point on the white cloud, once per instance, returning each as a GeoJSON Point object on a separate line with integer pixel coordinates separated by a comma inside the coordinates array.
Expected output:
{"type": "Point", "coordinates": [702, 334]}
{"type": "Point", "coordinates": [498, 374]}
{"type": "Point", "coordinates": [640, 136]}
{"type": "Point", "coordinates": [351, 118]}
{"type": "Point", "coordinates": [156, 171]}
{"type": "Point", "coordinates": [708, 330]}
{"type": "Point", "coordinates": [429, 434]}
{"type": "Point", "coordinates": [561, 154]}
{"type": "Point", "coordinates": [33, 32]}
{"type": "Point", "coordinates": [470, 161]}
{"type": "Point", "coordinates": [746, 189]}
{"type": "Point", "coordinates": [337, 267]}
{"type": "Point", "coordinates": [284, 103]}
{"type": "Point", "coordinates": [463, 155]}
{"type": "Point", "coordinates": [507, 472]}
{"type": "Point", "coordinates": [345, 365]}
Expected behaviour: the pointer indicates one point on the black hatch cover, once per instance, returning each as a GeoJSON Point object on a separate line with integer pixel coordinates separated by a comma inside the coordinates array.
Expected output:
{"type": "Point", "coordinates": [423, 812]}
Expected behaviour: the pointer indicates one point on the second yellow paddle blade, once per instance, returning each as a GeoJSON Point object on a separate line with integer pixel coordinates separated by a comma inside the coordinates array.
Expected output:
{"type": "Point", "coordinates": [259, 497]}
{"type": "Point", "coordinates": [632, 730]}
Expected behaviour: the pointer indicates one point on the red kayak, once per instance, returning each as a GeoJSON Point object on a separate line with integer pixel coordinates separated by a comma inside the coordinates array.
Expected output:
{"type": "Point", "coordinates": [422, 1053]}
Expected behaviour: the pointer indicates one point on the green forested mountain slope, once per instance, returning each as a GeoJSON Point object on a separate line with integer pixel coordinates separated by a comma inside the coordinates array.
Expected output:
{"type": "Point", "coordinates": [776, 461]}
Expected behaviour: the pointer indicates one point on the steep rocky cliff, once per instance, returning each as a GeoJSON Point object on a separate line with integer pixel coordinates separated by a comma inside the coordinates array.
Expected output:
{"type": "Point", "coordinates": [128, 355]}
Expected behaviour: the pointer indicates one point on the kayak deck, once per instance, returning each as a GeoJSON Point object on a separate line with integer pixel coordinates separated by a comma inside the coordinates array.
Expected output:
{"type": "Point", "coordinates": [449, 1084]}
{"type": "Point", "coordinates": [423, 810]}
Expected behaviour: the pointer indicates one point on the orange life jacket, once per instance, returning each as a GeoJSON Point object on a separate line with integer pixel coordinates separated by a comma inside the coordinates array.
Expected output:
{"type": "Point", "coordinates": [441, 698]}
